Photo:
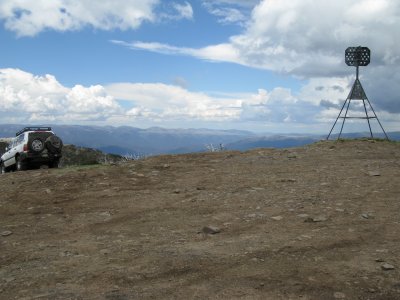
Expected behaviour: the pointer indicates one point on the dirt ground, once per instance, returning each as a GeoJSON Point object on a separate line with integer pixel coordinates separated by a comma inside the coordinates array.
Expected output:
{"type": "Point", "coordinates": [317, 222]}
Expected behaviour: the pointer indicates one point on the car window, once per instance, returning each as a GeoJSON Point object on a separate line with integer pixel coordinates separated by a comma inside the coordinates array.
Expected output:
{"type": "Point", "coordinates": [20, 139]}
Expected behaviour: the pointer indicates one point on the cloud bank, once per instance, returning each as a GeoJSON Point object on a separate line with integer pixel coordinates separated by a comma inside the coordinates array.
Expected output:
{"type": "Point", "coordinates": [42, 99]}
{"type": "Point", "coordinates": [307, 39]}
{"type": "Point", "coordinates": [301, 38]}
{"type": "Point", "coordinates": [30, 17]}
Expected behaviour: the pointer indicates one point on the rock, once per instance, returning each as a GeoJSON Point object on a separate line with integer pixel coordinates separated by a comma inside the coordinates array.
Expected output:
{"type": "Point", "coordinates": [105, 252]}
{"type": "Point", "coordinates": [316, 219]}
{"type": "Point", "coordinates": [177, 191]}
{"type": "Point", "coordinates": [374, 173]}
{"type": "Point", "coordinates": [277, 218]}
{"type": "Point", "coordinates": [302, 216]}
{"type": "Point", "coordinates": [387, 267]}
{"type": "Point", "coordinates": [292, 155]}
{"type": "Point", "coordinates": [320, 219]}
{"type": "Point", "coordinates": [287, 180]}
{"type": "Point", "coordinates": [6, 233]}
{"type": "Point", "coordinates": [105, 214]}
{"type": "Point", "coordinates": [339, 295]}
{"type": "Point", "coordinates": [367, 216]}
{"type": "Point", "coordinates": [382, 250]}
{"type": "Point", "coordinates": [254, 259]}
{"type": "Point", "coordinates": [211, 230]}
{"type": "Point", "coordinates": [379, 260]}
{"type": "Point", "coordinates": [9, 279]}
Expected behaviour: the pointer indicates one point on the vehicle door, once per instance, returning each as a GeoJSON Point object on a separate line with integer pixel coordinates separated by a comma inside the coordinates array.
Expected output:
{"type": "Point", "coordinates": [9, 157]}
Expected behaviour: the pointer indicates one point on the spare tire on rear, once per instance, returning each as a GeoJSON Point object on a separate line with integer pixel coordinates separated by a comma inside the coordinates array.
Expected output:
{"type": "Point", "coordinates": [54, 144]}
{"type": "Point", "coordinates": [36, 145]}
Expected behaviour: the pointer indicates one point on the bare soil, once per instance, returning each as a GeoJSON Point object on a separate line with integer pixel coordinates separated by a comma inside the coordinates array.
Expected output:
{"type": "Point", "coordinates": [317, 222]}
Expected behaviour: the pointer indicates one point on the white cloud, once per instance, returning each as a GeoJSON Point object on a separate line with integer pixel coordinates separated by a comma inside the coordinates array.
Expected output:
{"type": "Point", "coordinates": [185, 11]}
{"type": "Point", "coordinates": [161, 102]}
{"type": "Point", "coordinates": [36, 98]}
{"type": "Point", "coordinates": [29, 17]}
{"type": "Point", "coordinates": [174, 102]}
{"type": "Point", "coordinates": [240, 3]}
{"type": "Point", "coordinates": [221, 52]}
{"type": "Point", "coordinates": [307, 39]}
{"type": "Point", "coordinates": [230, 12]}
{"type": "Point", "coordinates": [226, 15]}
{"type": "Point", "coordinates": [26, 98]}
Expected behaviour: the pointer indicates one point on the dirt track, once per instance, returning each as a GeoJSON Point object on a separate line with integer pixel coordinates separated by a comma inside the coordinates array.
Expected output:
{"type": "Point", "coordinates": [318, 222]}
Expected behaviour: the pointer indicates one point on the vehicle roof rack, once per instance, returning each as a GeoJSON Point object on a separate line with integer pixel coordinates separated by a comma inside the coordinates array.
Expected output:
{"type": "Point", "coordinates": [33, 129]}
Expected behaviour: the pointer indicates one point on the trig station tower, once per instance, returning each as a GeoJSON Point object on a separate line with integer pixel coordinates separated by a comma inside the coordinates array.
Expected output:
{"type": "Point", "coordinates": [357, 56]}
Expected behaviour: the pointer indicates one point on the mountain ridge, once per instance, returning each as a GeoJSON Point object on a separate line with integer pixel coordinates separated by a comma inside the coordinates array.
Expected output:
{"type": "Point", "coordinates": [126, 140]}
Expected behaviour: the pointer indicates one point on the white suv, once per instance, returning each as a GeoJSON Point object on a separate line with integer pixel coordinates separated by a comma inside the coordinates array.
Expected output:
{"type": "Point", "coordinates": [31, 148]}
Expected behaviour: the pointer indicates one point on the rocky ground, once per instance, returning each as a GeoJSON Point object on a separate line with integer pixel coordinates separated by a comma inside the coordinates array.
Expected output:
{"type": "Point", "coordinates": [317, 222]}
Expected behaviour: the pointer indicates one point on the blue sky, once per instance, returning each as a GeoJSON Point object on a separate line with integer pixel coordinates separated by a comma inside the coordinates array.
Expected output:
{"type": "Point", "coordinates": [266, 66]}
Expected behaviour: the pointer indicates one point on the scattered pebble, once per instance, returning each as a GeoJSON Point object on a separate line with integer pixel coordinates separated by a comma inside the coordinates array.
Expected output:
{"type": "Point", "coordinates": [105, 252]}
{"type": "Point", "coordinates": [302, 216]}
{"type": "Point", "coordinates": [316, 219]}
{"type": "Point", "coordinates": [387, 267]}
{"type": "Point", "coordinates": [210, 230]}
{"type": "Point", "coordinates": [382, 250]}
{"type": "Point", "coordinates": [367, 216]}
{"type": "Point", "coordinates": [277, 218]}
{"type": "Point", "coordinates": [254, 259]}
{"type": "Point", "coordinates": [339, 295]}
{"type": "Point", "coordinates": [374, 173]}
{"type": "Point", "coordinates": [9, 279]}
{"type": "Point", "coordinates": [106, 214]}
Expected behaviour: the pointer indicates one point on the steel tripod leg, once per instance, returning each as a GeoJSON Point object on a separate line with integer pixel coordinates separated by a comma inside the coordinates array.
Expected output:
{"type": "Point", "coordinates": [344, 119]}
{"type": "Point", "coordinates": [336, 120]}
{"type": "Point", "coordinates": [378, 119]}
{"type": "Point", "coordinates": [366, 114]}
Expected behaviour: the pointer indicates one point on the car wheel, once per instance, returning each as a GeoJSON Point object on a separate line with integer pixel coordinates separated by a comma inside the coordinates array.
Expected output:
{"type": "Point", "coordinates": [3, 169]}
{"type": "Point", "coordinates": [21, 166]}
{"type": "Point", "coordinates": [54, 144]}
{"type": "Point", "coordinates": [37, 145]}
{"type": "Point", "coordinates": [54, 164]}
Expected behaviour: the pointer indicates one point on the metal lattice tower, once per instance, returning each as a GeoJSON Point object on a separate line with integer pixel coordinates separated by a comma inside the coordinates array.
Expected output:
{"type": "Point", "coordinates": [357, 56]}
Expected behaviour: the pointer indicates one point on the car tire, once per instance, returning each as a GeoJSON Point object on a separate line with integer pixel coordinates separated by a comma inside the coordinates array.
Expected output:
{"type": "Point", "coordinates": [54, 144]}
{"type": "Point", "coordinates": [3, 168]}
{"type": "Point", "coordinates": [36, 145]}
{"type": "Point", "coordinates": [54, 164]}
{"type": "Point", "coordinates": [19, 164]}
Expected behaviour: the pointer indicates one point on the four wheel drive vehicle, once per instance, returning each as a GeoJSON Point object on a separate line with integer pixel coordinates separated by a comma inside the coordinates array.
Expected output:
{"type": "Point", "coordinates": [31, 148]}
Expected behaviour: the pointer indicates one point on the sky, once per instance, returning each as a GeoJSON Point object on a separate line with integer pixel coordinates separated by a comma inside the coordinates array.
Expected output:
{"type": "Point", "coordinates": [261, 65]}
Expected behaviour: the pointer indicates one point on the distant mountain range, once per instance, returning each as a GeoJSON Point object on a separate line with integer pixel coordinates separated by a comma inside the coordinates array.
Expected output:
{"type": "Point", "coordinates": [135, 141]}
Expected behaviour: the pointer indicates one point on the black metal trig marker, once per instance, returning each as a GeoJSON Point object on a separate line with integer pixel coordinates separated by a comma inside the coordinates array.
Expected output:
{"type": "Point", "coordinates": [357, 56]}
